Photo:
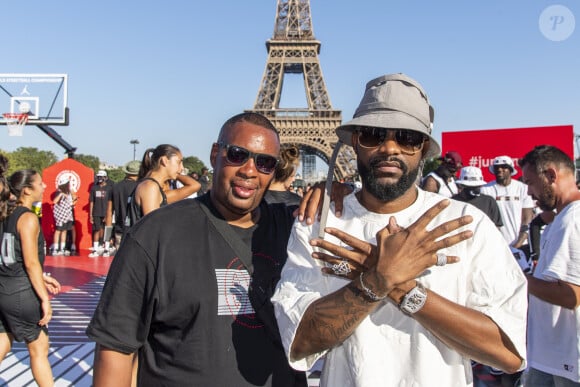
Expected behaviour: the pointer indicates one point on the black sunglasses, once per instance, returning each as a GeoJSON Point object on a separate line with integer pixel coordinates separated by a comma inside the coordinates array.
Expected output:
{"type": "Point", "coordinates": [236, 155]}
{"type": "Point", "coordinates": [409, 140]}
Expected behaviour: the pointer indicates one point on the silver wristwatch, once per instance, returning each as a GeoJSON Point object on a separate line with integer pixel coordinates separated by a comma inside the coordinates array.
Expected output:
{"type": "Point", "coordinates": [414, 300]}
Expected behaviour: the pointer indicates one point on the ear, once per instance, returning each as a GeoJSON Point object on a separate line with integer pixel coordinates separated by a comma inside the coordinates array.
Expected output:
{"type": "Point", "coordinates": [551, 174]}
{"type": "Point", "coordinates": [215, 148]}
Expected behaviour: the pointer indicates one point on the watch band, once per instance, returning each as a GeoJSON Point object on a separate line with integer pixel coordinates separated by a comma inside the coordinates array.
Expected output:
{"type": "Point", "coordinates": [414, 300]}
{"type": "Point", "coordinates": [368, 292]}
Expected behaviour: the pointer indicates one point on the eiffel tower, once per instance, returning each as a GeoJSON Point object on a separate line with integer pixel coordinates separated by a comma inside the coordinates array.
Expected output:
{"type": "Point", "coordinates": [293, 49]}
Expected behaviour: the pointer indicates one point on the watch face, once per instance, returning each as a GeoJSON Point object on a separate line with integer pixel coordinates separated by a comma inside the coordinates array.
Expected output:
{"type": "Point", "coordinates": [414, 300]}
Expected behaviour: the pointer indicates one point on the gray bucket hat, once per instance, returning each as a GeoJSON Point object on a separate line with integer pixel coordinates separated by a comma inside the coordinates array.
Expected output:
{"type": "Point", "coordinates": [393, 101]}
{"type": "Point", "coordinates": [132, 167]}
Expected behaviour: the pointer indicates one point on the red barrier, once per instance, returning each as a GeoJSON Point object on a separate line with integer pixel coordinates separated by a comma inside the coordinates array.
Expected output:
{"type": "Point", "coordinates": [478, 148]}
{"type": "Point", "coordinates": [81, 178]}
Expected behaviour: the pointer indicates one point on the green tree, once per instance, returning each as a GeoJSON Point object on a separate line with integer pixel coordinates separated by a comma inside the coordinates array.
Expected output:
{"type": "Point", "coordinates": [431, 165]}
{"type": "Point", "coordinates": [89, 161]}
{"type": "Point", "coordinates": [29, 158]}
{"type": "Point", "coordinates": [193, 164]}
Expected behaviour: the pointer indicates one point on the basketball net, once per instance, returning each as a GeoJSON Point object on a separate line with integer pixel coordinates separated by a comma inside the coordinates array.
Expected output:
{"type": "Point", "coordinates": [15, 123]}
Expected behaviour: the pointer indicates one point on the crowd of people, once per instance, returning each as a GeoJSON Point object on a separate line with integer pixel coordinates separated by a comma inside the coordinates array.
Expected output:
{"type": "Point", "coordinates": [237, 282]}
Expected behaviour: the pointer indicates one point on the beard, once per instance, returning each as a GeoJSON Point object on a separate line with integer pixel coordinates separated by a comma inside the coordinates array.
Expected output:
{"type": "Point", "coordinates": [547, 200]}
{"type": "Point", "coordinates": [386, 192]}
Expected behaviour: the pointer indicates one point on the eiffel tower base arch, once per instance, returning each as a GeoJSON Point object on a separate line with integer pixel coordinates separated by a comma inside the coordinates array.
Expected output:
{"type": "Point", "coordinates": [313, 132]}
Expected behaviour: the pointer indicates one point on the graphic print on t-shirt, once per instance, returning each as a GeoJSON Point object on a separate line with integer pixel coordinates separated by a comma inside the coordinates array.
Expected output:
{"type": "Point", "coordinates": [232, 287]}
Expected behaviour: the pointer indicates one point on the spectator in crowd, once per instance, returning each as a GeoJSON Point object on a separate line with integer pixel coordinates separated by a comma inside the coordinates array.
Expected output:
{"type": "Point", "coordinates": [399, 313]}
{"type": "Point", "coordinates": [442, 179]}
{"type": "Point", "coordinates": [101, 214]}
{"type": "Point", "coordinates": [178, 293]}
{"type": "Point", "coordinates": [122, 190]}
{"type": "Point", "coordinates": [25, 309]}
{"type": "Point", "coordinates": [205, 181]}
{"type": "Point", "coordinates": [470, 182]}
{"type": "Point", "coordinates": [537, 226]}
{"type": "Point", "coordinates": [554, 287]}
{"type": "Point", "coordinates": [515, 205]}
{"type": "Point", "coordinates": [284, 176]}
{"type": "Point", "coordinates": [63, 205]}
{"type": "Point", "coordinates": [160, 165]}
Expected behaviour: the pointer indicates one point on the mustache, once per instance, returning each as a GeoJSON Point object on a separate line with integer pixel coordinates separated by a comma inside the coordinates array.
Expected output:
{"type": "Point", "coordinates": [375, 161]}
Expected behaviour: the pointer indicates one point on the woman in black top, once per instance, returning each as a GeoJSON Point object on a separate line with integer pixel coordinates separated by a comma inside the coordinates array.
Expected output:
{"type": "Point", "coordinates": [25, 308]}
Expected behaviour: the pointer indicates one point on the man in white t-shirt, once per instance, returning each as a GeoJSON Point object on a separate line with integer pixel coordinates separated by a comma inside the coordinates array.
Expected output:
{"type": "Point", "coordinates": [398, 314]}
{"type": "Point", "coordinates": [554, 318]}
{"type": "Point", "coordinates": [512, 198]}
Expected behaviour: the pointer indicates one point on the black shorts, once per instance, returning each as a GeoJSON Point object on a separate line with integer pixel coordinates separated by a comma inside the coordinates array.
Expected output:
{"type": "Point", "coordinates": [98, 223]}
{"type": "Point", "coordinates": [20, 313]}
{"type": "Point", "coordinates": [65, 226]}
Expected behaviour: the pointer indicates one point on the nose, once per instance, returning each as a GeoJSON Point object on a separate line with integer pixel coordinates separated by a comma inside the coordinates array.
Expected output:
{"type": "Point", "coordinates": [390, 144]}
{"type": "Point", "coordinates": [248, 168]}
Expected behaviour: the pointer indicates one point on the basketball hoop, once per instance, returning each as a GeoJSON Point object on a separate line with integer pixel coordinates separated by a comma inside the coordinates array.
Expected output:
{"type": "Point", "coordinates": [15, 123]}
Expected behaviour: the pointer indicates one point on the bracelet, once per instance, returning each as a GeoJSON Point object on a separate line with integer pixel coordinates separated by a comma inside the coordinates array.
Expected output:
{"type": "Point", "coordinates": [368, 292]}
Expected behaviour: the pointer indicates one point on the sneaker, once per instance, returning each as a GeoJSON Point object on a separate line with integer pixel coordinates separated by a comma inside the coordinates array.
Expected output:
{"type": "Point", "coordinates": [96, 253]}
{"type": "Point", "coordinates": [58, 253]}
{"type": "Point", "coordinates": [66, 253]}
{"type": "Point", "coordinates": [106, 254]}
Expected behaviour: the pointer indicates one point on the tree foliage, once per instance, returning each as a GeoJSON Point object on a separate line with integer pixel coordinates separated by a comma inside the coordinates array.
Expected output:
{"type": "Point", "coordinates": [29, 158]}
{"type": "Point", "coordinates": [431, 165]}
{"type": "Point", "coordinates": [193, 164]}
{"type": "Point", "coordinates": [90, 161]}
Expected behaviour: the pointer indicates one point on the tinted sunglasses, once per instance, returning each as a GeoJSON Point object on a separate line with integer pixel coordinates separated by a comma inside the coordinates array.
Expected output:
{"type": "Point", "coordinates": [409, 141]}
{"type": "Point", "coordinates": [236, 155]}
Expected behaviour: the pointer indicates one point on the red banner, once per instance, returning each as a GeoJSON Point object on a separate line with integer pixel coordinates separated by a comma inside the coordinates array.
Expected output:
{"type": "Point", "coordinates": [478, 148]}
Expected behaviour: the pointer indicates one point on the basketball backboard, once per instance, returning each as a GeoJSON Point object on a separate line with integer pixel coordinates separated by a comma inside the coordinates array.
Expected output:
{"type": "Point", "coordinates": [42, 96]}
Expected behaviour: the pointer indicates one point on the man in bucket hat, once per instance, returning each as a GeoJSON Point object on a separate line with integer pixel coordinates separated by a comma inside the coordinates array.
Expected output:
{"type": "Point", "coordinates": [439, 288]}
{"type": "Point", "coordinates": [514, 203]}
{"type": "Point", "coordinates": [122, 190]}
{"type": "Point", "coordinates": [470, 182]}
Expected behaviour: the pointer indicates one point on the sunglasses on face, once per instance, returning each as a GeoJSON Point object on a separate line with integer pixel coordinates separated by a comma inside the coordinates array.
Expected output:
{"type": "Point", "coordinates": [236, 155]}
{"type": "Point", "coordinates": [409, 141]}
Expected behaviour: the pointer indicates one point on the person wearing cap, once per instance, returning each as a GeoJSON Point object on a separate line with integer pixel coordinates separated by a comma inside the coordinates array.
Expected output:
{"type": "Point", "coordinates": [442, 179]}
{"type": "Point", "coordinates": [554, 287]}
{"type": "Point", "coordinates": [63, 201]}
{"type": "Point", "coordinates": [470, 182]}
{"type": "Point", "coordinates": [440, 287]}
{"type": "Point", "coordinates": [515, 205]}
{"type": "Point", "coordinates": [100, 213]}
{"type": "Point", "coordinates": [122, 190]}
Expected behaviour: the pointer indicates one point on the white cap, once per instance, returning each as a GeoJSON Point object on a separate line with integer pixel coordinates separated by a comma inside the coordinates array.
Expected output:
{"type": "Point", "coordinates": [470, 177]}
{"type": "Point", "coordinates": [102, 173]}
{"type": "Point", "coordinates": [503, 160]}
{"type": "Point", "coordinates": [63, 180]}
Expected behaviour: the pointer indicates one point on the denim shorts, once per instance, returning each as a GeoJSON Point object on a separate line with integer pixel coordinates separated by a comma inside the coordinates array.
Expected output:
{"type": "Point", "coordinates": [537, 378]}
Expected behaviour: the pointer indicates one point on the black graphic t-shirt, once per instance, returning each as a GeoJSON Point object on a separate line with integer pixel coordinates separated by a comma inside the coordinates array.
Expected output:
{"type": "Point", "coordinates": [178, 294]}
{"type": "Point", "coordinates": [100, 196]}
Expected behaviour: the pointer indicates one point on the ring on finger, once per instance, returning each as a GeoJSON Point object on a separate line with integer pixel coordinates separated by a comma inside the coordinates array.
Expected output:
{"type": "Point", "coordinates": [341, 268]}
{"type": "Point", "coordinates": [441, 259]}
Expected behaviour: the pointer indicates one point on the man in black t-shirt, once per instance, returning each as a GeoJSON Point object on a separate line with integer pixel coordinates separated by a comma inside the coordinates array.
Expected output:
{"type": "Point", "coordinates": [470, 182]}
{"type": "Point", "coordinates": [100, 212]}
{"type": "Point", "coordinates": [121, 192]}
{"type": "Point", "coordinates": [179, 296]}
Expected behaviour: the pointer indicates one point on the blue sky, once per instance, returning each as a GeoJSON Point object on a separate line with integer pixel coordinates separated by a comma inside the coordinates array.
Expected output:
{"type": "Point", "coordinates": [174, 71]}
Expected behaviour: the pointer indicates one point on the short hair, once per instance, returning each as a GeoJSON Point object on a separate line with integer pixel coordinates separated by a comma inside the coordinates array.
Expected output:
{"type": "Point", "coordinates": [253, 118]}
{"type": "Point", "coordinates": [542, 155]}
